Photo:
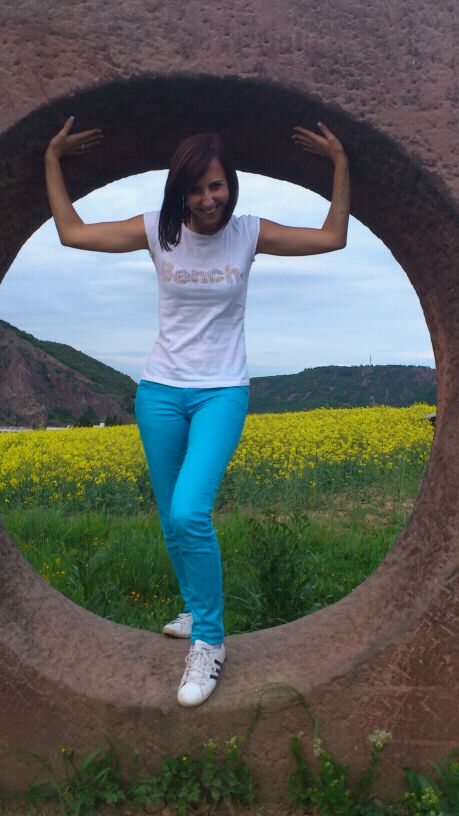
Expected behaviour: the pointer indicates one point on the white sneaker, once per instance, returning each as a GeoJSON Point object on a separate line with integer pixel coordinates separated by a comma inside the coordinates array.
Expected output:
{"type": "Point", "coordinates": [204, 664]}
{"type": "Point", "coordinates": [180, 627]}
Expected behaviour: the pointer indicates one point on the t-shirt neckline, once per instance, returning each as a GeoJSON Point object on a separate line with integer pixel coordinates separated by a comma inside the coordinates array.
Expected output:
{"type": "Point", "coordinates": [200, 236]}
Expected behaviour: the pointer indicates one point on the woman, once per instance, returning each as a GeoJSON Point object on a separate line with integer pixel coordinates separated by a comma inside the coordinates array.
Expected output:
{"type": "Point", "coordinates": [193, 394]}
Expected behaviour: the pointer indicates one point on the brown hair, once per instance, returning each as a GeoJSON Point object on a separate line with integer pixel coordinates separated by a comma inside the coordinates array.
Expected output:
{"type": "Point", "coordinates": [189, 162]}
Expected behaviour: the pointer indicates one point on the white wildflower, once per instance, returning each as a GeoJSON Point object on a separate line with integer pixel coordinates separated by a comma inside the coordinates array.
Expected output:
{"type": "Point", "coordinates": [380, 737]}
{"type": "Point", "coordinates": [316, 746]}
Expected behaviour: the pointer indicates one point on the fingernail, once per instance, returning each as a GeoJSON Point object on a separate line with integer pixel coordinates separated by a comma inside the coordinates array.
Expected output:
{"type": "Point", "coordinates": [319, 123]}
{"type": "Point", "coordinates": [71, 118]}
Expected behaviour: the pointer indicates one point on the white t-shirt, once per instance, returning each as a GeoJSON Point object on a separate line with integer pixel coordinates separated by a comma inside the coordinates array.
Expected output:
{"type": "Point", "coordinates": [202, 286]}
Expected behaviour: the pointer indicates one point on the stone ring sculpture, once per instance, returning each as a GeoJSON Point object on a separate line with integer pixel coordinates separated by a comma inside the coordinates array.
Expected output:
{"type": "Point", "coordinates": [385, 655]}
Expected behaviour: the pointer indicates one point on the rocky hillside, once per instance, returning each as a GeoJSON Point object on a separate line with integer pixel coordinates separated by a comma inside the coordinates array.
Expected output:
{"type": "Point", "coordinates": [44, 383]}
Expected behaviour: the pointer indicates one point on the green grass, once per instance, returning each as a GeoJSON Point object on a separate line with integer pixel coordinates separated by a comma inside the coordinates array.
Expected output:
{"type": "Point", "coordinates": [279, 563]}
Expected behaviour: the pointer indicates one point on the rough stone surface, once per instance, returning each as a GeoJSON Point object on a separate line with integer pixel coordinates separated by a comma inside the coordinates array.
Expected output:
{"type": "Point", "coordinates": [382, 76]}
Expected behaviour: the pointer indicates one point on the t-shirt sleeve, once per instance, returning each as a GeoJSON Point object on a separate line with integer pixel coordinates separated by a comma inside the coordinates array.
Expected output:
{"type": "Point", "coordinates": [252, 229]}
{"type": "Point", "coordinates": [151, 221]}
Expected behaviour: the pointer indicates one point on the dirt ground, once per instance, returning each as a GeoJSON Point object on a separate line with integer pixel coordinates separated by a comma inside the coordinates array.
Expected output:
{"type": "Point", "coordinates": [337, 509]}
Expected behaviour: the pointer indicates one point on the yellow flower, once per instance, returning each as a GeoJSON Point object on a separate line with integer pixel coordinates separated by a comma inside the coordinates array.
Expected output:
{"type": "Point", "coordinates": [81, 464]}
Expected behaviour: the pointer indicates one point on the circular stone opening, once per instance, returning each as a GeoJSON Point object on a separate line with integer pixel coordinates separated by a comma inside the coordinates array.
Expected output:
{"type": "Point", "coordinates": [113, 305]}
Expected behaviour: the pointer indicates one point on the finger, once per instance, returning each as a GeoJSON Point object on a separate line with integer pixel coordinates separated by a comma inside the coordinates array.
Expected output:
{"type": "Point", "coordinates": [78, 152]}
{"type": "Point", "coordinates": [304, 132]}
{"type": "Point", "coordinates": [306, 142]}
{"type": "Point", "coordinates": [310, 149]}
{"type": "Point", "coordinates": [92, 139]}
{"type": "Point", "coordinates": [65, 129]}
{"type": "Point", "coordinates": [82, 148]}
{"type": "Point", "coordinates": [87, 147]}
{"type": "Point", "coordinates": [84, 134]}
{"type": "Point", "coordinates": [326, 130]}
{"type": "Point", "coordinates": [308, 137]}
{"type": "Point", "coordinates": [312, 139]}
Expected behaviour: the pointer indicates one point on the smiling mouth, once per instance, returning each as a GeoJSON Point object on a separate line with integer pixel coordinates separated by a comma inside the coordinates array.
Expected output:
{"type": "Point", "coordinates": [210, 212]}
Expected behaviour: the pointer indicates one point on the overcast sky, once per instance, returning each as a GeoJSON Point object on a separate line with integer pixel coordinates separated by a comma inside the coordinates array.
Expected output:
{"type": "Point", "coordinates": [338, 308]}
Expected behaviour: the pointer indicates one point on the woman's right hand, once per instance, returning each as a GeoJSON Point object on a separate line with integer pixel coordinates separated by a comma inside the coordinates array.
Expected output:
{"type": "Point", "coordinates": [78, 144]}
{"type": "Point", "coordinates": [111, 236]}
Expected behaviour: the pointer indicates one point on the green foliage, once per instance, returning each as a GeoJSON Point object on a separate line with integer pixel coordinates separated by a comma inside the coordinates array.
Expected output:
{"type": "Point", "coordinates": [87, 419]}
{"type": "Point", "coordinates": [182, 780]}
{"type": "Point", "coordinates": [95, 781]}
{"type": "Point", "coordinates": [279, 569]}
{"type": "Point", "coordinates": [299, 781]}
{"type": "Point", "coordinates": [112, 420]}
{"type": "Point", "coordinates": [212, 779]}
{"type": "Point", "coordinates": [330, 793]}
{"type": "Point", "coordinates": [428, 797]}
{"type": "Point", "coordinates": [228, 779]}
{"type": "Point", "coordinates": [60, 416]}
{"type": "Point", "coordinates": [178, 784]}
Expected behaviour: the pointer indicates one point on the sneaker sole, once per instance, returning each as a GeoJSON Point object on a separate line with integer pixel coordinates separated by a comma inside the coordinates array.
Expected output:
{"type": "Point", "coordinates": [175, 634]}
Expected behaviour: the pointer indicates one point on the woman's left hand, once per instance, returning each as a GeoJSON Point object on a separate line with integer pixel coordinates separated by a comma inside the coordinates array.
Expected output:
{"type": "Point", "coordinates": [326, 145]}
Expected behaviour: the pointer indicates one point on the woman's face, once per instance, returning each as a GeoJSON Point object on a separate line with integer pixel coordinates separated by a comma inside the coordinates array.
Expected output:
{"type": "Point", "coordinates": [207, 199]}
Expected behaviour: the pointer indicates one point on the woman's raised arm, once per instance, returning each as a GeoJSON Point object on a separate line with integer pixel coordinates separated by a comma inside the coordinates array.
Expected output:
{"type": "Point", "coordinates": [277, 239]}
{"type": "Point", "coordinates": [111, 236]}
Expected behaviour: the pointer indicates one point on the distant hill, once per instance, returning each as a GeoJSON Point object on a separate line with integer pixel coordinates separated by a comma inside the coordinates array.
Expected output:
{"type": "Point", "coordinates": [343, 387]}
{"type": "Point", "coordinates": [45, 383]}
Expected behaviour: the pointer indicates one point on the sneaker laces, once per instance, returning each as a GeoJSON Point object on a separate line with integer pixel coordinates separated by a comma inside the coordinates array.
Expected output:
{"type": "Point", "coordinates": [199, 665]}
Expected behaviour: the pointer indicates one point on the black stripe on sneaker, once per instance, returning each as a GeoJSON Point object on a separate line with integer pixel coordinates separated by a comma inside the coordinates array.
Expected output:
{"type": "Point", "coordinates": [214, 676]}
{"type": "Point", "coordinates": [218, 661]}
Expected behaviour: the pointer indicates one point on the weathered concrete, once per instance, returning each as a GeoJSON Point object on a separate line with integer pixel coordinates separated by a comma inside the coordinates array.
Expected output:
{"type": "Point", "coordinates": [382, 77]}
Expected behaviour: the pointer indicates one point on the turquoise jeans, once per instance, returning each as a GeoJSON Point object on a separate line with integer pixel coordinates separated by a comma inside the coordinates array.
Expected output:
{"type": "Point", "coordinates": [189, 436]}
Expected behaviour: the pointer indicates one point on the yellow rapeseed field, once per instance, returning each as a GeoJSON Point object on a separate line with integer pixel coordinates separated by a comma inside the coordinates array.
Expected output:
{"type": "Point", "coordinates": [76, 463]}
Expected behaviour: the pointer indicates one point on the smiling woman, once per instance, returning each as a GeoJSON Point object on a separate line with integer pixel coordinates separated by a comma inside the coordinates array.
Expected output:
{"type": "Point", "coordinates": [196, 380]}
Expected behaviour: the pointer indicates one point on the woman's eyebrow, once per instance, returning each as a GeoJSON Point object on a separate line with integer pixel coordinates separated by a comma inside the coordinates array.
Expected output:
{"type": "Point", "coordinates": [215, 181]}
